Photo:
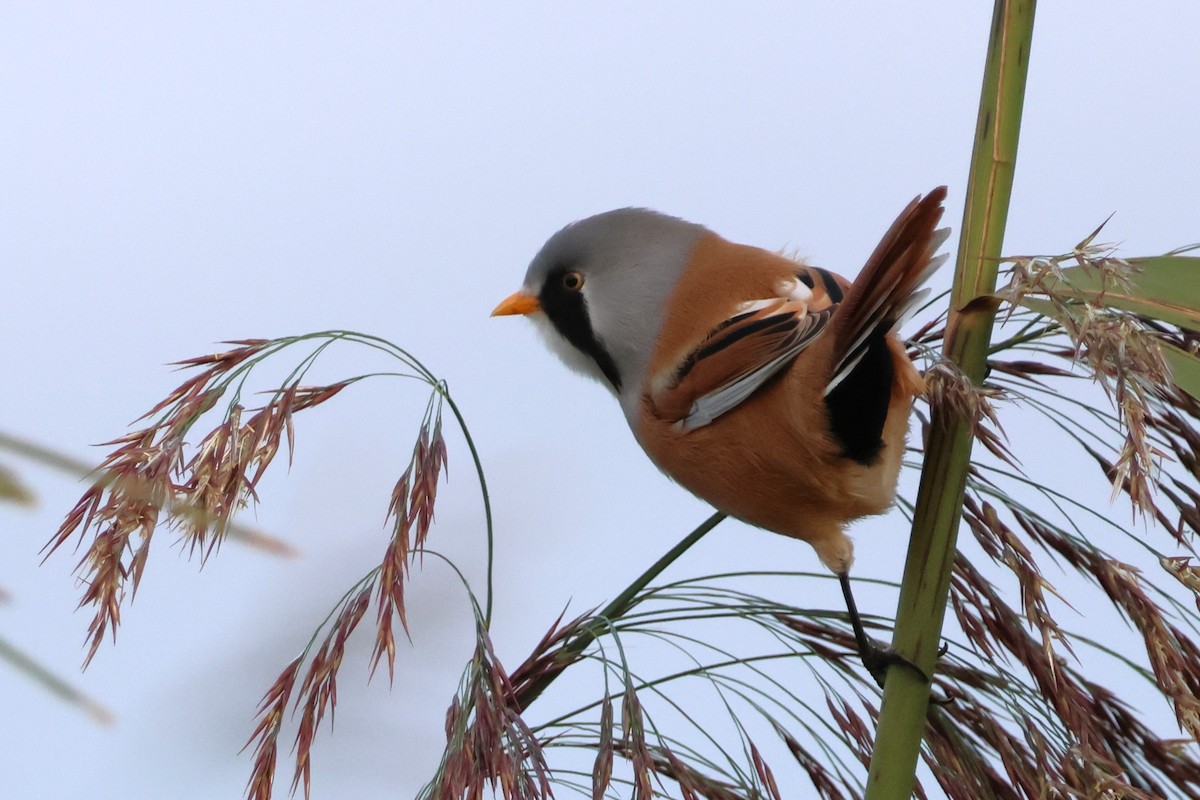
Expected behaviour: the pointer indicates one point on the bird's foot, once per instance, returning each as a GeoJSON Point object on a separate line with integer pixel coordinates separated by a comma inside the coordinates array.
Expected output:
{"type": "Point", "coordinates": [878, 660]}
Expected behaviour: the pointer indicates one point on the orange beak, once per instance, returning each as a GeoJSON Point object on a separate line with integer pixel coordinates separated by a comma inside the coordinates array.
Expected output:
{"type": "Point", "coordinates": [517, 303]}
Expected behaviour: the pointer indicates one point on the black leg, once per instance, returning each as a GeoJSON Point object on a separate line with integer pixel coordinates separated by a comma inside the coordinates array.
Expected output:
{"type": "Point", "coordinates": [876, 659]}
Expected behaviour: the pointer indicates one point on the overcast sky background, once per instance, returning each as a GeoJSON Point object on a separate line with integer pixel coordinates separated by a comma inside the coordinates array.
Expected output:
{"type": "Point", "coordinates": [175, 175]}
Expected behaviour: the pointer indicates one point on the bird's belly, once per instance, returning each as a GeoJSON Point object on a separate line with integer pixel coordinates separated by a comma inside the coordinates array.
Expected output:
{"type": "Point", "coordinates": [789, 477]}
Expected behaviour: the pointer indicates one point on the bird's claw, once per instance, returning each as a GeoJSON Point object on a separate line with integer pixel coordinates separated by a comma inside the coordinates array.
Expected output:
{"type": "Point", "coordinates": [878, 660]}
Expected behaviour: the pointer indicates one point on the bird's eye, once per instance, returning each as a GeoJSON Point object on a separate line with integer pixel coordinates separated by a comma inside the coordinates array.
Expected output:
{"type": "Point", "coordinates": [572, 281]}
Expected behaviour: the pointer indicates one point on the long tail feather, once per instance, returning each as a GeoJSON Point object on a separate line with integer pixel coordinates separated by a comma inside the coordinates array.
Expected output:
{"type": "Point", "coordinates": [903, 260]}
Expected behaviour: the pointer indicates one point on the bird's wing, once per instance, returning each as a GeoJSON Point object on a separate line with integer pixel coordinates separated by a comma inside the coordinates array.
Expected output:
{"type": "Point", "coordinates": [885, 292]}
{"type": "Point", "coordinates": [735, 358]}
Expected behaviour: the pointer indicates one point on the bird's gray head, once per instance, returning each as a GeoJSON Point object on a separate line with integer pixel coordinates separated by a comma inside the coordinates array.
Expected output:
{"type": "Point", "coordinates": [601, 283]}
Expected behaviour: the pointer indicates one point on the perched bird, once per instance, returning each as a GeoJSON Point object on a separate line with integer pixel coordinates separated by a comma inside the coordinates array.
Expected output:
{"type": "Point", "coordinates": [776, 391]}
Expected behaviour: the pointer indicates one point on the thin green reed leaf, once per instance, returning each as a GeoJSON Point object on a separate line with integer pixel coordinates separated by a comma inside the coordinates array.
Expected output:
{"type": "Point", "coordinates": [757, 612]}
{"type": "Point", "coordinates": [630, 626]}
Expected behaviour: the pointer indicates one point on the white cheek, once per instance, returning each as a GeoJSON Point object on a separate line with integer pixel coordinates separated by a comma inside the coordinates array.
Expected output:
{"type": "Point", "coordinates": [573, 358]}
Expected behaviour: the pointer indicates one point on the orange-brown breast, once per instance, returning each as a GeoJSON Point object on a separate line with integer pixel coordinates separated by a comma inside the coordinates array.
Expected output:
{"type": "Point", "coordinates": [772, 460]}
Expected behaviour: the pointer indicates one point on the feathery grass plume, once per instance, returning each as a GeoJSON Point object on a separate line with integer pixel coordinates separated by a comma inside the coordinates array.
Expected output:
{"type": "Point", "coordinates": [1174, 657]}
{"type": "Point", "coordinates": [81, 470]}
{"type": "Point", "coordinates": [1128, 756]}
{"type": "Point", "coordinates": [271, 711]}
{"type": "Point", "coordinates": [1120, 350]}
{"type": "Point", "coordinates": [823, 781]}
{"type": "Point", "coordinates": [316, 694]}
{"type": "Point", "coordinates": [949, 391]}
{"type": "Point", "coordinates": [318, 691]}
{"type": "Point", "coordinates": [154, 475]}
{"type": "Point", "coordinates": [633, 742]}
{"type": "Point", "coordinates": [488, 743]}
{"type": "Point", "coordinates": [411, 512]}
{"type": "Point", "coordinates": [602, 767]}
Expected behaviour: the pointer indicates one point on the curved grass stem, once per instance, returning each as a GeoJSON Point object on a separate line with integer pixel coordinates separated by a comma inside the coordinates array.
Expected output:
{"type": "Point", "coordinates": [601, 621]}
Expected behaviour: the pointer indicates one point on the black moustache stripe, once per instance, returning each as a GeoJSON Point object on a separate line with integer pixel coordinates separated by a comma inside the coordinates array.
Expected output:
{"type": "Point", "coordinates": [567, 311]}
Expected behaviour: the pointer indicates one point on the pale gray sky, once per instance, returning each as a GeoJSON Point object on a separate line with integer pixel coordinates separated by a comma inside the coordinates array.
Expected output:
{"type": "Point", "coordinates": [177, 175]}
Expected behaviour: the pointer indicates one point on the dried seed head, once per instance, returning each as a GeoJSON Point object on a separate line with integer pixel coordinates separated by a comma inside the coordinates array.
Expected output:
{"type": "Point", "coordinates": [1122, 351]}
{"type": "Point", "coordinates": [488, 743]}
{"type": "Point", "coordinates": [266, 732]}
{"type": "Point", "coordinates": [763, 771]}
{"type": "Point", "coordinates": [318, 691]}
{"type": "Point", "coordinates": [146, 477]}
{"type": "Point", "coordinates": [824, 782]}
{"type": "Point", "coordinates": [411, 511]}
{"type": "Point", "coordinates": [602, 768]}
{"type": "Point", "coordinates": [952, 392]}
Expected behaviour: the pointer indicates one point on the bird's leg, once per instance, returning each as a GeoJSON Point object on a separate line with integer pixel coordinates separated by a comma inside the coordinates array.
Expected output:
{"type": "Point", "coordinates": [875, 658]}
